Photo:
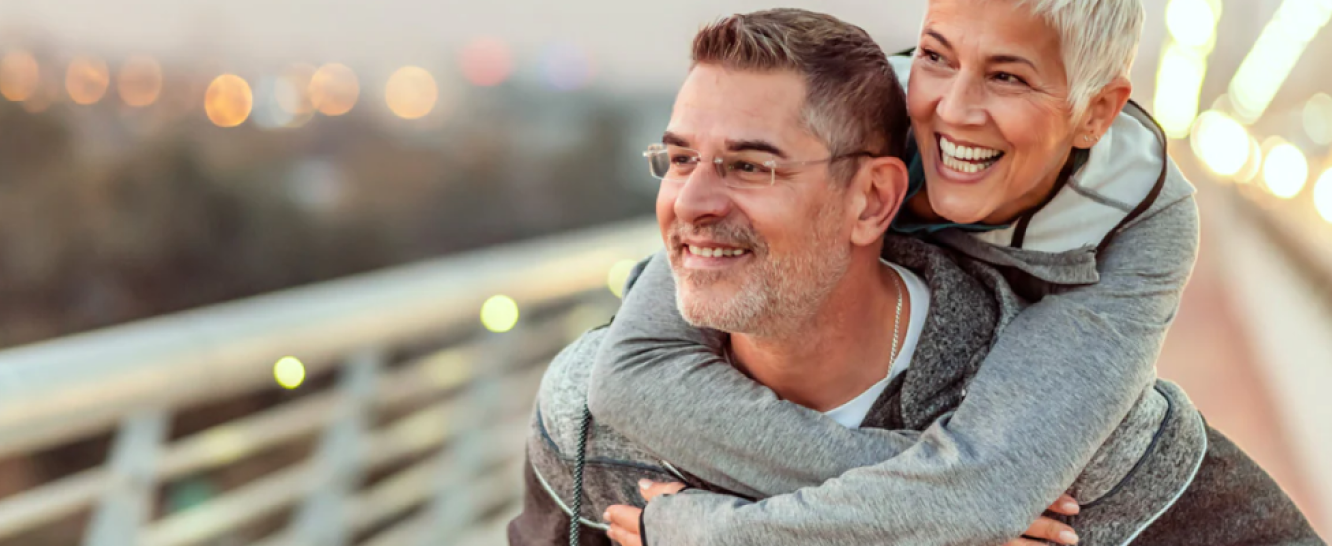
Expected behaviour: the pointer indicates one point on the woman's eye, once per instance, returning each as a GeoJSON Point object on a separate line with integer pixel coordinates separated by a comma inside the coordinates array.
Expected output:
{"type": "Point", "coordinates": [930, 56]}
{"type": "Point", "coordinates": [682, 159]}
{"type": "Point", "coordinates": [1009, 78]}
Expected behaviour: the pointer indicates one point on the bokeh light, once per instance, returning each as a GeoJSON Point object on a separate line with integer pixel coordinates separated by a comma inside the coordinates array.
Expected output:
{"type": "Point", "coordinates": [411, 92]}
{"type": "Point", "coordinates": [1192, 23]}
{"type": "Point", "coordinates": [46, 94]}
{"type": "Point", "coordinates": [1222, 143]}
{"type": "Point", "coordinates": [486, 62]}
{"type": "Point", "coordinates": [19, 76]}
{"type": "Point", "coordinates": [1179, 80]}
{"type": "Point", "coordinates": [1252, 165]}
{"type": "Point", "coordinates": [86, 80]}
{"type": "Point", "coordinates": [619, 274]}
{"type": "Point", "coordinates": [334, 89]}
{"type": "Point", "coordinates": [140, 81]}
{"type": "Point", "coordinates": [1274, 54]}
{"type": "Point", "coordinates": [1318, 118]}
{"type": "Point", "coordinates": [292, 89]}
{"type": "Point", "coordinates": [228, 100]}
{"type": "Point", "coordinates": [566, 67]}
{"type": "Point", "coordinates": [1322, 195]}
{"type": "Point", "coordinates": [289, 372]}
{"type": "Point", "coordinates": [499, 314]}
{"type": "Point", "coordinates": [1285, 170]}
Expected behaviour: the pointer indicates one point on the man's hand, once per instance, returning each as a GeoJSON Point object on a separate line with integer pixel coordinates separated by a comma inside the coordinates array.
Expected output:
{"type": "Point", "coordinates": [1048, 529]}
{"type": "Point", "coordinates": [624, 520]}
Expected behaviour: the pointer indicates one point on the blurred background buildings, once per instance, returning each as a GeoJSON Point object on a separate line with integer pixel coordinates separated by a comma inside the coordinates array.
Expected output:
{"type": "Point", "coordinates": [158, 156]}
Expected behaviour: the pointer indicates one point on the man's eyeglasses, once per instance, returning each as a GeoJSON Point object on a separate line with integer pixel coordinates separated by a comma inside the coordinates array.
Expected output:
{"type": "Point", "coordinates": [747, 169]}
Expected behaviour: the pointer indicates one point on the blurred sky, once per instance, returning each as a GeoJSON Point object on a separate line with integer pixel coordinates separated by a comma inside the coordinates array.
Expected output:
{"type": "Point", "coordinates": [636, 44]}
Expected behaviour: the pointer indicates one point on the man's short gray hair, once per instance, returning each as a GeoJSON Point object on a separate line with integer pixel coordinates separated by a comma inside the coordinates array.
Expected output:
{"type": "Point", "coordinates": [1099, 40]}
{"type": "Point", "coordinates": [853, 101]}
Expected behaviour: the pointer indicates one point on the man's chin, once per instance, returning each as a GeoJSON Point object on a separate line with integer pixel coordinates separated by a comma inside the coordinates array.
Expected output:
{"type": "Point", "coordinates": [714, 308]}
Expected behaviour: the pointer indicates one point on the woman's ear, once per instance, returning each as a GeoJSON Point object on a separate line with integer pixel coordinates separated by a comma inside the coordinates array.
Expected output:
{"type": "Point", "coordinates": [881, 197]}
{"type": "Point", "coordinates": [1101, 113]}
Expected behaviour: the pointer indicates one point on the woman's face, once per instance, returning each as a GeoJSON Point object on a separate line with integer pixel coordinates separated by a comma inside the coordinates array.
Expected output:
{"type": "Point", "coordinates": [989, 103]}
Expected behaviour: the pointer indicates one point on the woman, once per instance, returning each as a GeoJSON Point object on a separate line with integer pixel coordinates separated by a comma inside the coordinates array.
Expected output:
{"type": "Point", "coordinates": [1015, 108]}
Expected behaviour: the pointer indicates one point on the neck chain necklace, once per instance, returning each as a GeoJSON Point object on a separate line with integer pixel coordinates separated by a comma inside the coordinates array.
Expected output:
{"type": "Point", "coordinates": [900, 284]}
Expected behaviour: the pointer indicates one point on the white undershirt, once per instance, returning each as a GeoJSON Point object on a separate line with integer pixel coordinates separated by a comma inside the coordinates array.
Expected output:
{"type": "Point", "coordinates": [852, 413]}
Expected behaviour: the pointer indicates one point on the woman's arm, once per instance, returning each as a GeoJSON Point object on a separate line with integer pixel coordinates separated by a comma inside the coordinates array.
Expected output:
{"type": "Point", "coordinates": [1083, 356]}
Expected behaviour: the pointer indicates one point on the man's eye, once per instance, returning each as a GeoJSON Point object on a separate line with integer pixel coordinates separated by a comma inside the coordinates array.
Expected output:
{"type": "Point", "coordinates": [1009, 78]}
{"type": "Point", "coordinates": [682, 159]}
{"type": "Point", "coordinates": [930, 56]}
{"type": "Point", "coordinates": [747, 167]}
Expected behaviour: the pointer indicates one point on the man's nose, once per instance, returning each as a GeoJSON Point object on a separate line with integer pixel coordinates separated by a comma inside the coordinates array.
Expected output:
{"type": "Point", "coordinates": [960, 104]}
{"type": "Point", "coordinates": [703, 196]}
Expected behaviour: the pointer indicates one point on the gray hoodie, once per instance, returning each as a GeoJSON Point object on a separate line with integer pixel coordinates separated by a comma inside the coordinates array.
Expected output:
{"type": "Point", "coordinates": [1084, 354]}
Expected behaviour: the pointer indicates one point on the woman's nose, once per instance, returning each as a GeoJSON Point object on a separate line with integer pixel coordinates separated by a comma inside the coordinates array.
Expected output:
{"type": "Point", "coordinates": [960, 104]}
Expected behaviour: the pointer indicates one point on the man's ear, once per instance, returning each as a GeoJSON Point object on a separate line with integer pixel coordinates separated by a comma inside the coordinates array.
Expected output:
{"type": "Point", "coordinates": [878, 198]}
{"type": "Point", "coordinates": [1101, 113]}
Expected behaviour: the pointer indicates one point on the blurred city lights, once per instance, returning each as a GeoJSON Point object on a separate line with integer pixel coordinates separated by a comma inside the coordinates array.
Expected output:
{"type": "Point", "coordinates": [1253, 165]}
{"type": "Point", "coordinates": [1274, 54]}
{"type": "Point", "coordinates": [140, 81]}
{"type": "Point", "coordinates": [1318, 119]}
{"type": "Point", "coordinates": [619, 274]}
{"type": "Point", "coordinates": [86, 80]}
{"type": "Point", "coordinates": [43, 97]}
{"type": "Point", "coordinates": [566, 67]}
{"type": "Point", "coordinates": [1179, 80]}
{"type": "Point", "coordinates": [289, 372]}
{"type": "Point", "coordinates": [486, 62]}
{"type": "Point", "coordinates": [19, 76]}
{"type": "Point", "coordinates": [267, 112]}
{"type": "Point", "coordinates": [411, 92]}
{"type": "Point", "coordinates": [1322, 195]}
{"type": "Point", "coordinates": [499, 314]}
{"type": "Point", "coordinates": [1285, 170]}
{"type": "Point", "coordinates": [1221, 142]}
{"type": "Point", "coordinates": [228, 100]}
{"type": "Point", "coordinates": [1192, 23]}
{"type": "Point", "coordinates": [292, 90]}
{"type": "Point", "coordinates": [334, 89]}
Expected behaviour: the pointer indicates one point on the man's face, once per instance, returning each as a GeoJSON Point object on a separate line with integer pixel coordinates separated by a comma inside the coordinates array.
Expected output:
{"type": "Point", "coordinates": [782, 247]}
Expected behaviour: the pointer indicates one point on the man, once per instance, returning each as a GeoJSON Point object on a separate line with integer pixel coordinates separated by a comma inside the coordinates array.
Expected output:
{"type": "Point", "coordinates": [780, 176]}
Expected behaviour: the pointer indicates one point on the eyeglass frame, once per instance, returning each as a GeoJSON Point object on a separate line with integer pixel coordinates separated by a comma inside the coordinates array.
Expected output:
{"type": "Point", "coordinates": [724, 172]}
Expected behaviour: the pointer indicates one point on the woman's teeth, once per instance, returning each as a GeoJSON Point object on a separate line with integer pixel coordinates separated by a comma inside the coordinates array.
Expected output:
{"type": "Point", "coordinates": [715, 252]}
{"type": "Point", "coordinates": [967, 159]}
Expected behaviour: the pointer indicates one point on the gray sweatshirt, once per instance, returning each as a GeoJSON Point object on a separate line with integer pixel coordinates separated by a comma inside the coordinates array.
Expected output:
{"type": "Point", "coordinates": [1052, 389]}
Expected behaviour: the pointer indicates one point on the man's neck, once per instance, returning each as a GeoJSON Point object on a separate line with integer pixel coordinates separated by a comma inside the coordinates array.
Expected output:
{"type": "Point", "coordinates": [841, 351]}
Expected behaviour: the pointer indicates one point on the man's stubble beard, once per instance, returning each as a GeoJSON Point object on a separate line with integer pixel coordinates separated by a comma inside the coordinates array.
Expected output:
{"type": "Point", "coordinates": [776, 295]}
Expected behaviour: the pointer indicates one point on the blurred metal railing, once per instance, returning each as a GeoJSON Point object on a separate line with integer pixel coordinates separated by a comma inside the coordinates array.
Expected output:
{"type": "Point", "coordinates": [466, 401]}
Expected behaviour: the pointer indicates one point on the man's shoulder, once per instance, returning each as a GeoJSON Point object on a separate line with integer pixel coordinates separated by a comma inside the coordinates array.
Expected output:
{"type": "Point", "coordinates": [564, 386]}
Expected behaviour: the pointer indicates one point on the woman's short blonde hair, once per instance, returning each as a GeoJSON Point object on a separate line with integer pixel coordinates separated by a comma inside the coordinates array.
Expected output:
{"type": "Point", "coordinates": [1099, 40]}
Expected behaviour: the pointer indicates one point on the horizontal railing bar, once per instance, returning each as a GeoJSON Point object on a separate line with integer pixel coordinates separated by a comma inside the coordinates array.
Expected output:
{"type": "Point", "coordinates": [414, 433]}
{"type": "Point", "coordinates": [56, 390]}
{"type": "Point", "coordinates": [493, 490]}
{"type": "Point", "coordinates": [51, 501]}
{"type": "Point", "coordinates": [252, 501]}
{"type": "Point", "coordinates": [410, 487]}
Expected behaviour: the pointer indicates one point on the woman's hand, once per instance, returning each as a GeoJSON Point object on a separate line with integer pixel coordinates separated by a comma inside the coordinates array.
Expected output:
{"type": "Point", "coordinates": [624, 520]}
{"type": "Point", "coordinates": [1048, 529]}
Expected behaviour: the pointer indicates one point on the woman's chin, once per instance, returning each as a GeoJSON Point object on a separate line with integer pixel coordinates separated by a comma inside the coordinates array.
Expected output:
{"type": "Point", "coordinates": [959, 209]}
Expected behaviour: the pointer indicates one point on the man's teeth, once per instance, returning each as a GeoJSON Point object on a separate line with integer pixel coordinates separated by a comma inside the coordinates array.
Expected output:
{"type": "Point", "coordinates": [715, 252]}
